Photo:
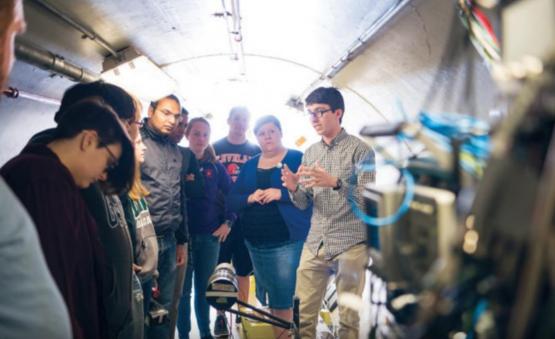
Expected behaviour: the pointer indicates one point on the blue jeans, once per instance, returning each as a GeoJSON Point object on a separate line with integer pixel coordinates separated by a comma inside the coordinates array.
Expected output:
{"type": "Point", "coordinates": [203, 257]}
{"type": "Point", "coordinates": [275, 272]}
{"type": "Point", "coordinates": [138, 308]}
{"type": "Point", "coordinates": [166, 282]}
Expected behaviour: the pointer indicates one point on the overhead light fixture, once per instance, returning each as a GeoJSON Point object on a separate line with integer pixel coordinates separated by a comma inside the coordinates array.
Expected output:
{"type": "Point", "coordinates": [138, 75]}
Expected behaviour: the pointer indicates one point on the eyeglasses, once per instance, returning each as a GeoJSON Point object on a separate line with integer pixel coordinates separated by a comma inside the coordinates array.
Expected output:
{"type": "Point", "coordinates": [317, 113]}
{"type": "Point", "coordinates": [113, 163]}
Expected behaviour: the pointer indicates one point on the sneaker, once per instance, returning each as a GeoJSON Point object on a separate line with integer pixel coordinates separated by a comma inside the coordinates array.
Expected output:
{"type": "Point", "coordinates": [220, 327]}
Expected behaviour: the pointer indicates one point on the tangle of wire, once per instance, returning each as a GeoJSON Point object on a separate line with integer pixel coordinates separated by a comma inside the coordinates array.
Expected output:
{"type": "Point", "coordinates": [480, 31]}
{"type": "Point", "coordinates": [474, 153]}
{"type": "Point", "coordinates": [475, 149]}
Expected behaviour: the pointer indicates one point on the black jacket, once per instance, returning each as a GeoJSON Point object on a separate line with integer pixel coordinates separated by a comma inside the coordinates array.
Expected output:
{"type": "Point", "coordinates": [195, 188]}
{"type": "Point", "coordinates": [161, 173]}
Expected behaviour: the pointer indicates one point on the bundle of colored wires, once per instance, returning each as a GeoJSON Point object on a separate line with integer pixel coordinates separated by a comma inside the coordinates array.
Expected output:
{"type": "Point", "coordinates": [480, 30]}
{"type": "Point", "coordinates": [475, 148]}
{"type": "Point", "coordinates": [441, 128]}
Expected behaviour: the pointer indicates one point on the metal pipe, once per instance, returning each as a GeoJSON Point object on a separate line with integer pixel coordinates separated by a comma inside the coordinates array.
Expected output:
{"type": "Point", "coordinates": [357, 47]}
{"type": "Point", "coordinates": [229, 27]}
{"type": "Point", "coordinates": [15, 93]}
{"type": "Point", "coordinates": [236, 17]}
{"type": "Point", "coordinates": [87, 32]}
{"type": "Point", "coordinates": [362, 41]}
{"type": "Point", "coordinates": [52, 62]}
{"type": "Point", "coordinates": [238, 35]}
{"type": "Point", "coordinates": [237, 31]}
{"type": "Point", "coordinates": [235, 37]}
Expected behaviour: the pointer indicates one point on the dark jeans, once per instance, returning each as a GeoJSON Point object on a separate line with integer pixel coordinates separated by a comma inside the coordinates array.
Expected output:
{"type": "Point", "coordinates": [234, 251]}
{"type": "Point", "coordinates": [202, 261]}
{"type": "Point", "coordinates": [146, 285]}
{"type": "Point", "coordinates": [166, 283]}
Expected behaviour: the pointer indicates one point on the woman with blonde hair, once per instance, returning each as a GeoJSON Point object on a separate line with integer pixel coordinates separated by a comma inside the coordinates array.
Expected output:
{"type": "Point", "coordinates": [141, 229]}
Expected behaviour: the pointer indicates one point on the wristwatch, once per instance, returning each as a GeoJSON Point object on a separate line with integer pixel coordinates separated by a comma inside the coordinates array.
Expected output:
{"type": "Point", "coordinates": [338, 185]}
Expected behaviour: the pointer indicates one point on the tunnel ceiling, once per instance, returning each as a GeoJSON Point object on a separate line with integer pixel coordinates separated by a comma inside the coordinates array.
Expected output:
{"type": "Point", "coordinates": [286, 44]}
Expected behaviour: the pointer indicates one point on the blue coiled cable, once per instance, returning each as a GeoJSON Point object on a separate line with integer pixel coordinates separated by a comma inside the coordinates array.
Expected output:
{"type": "Point", "coordinates": [390, 219]}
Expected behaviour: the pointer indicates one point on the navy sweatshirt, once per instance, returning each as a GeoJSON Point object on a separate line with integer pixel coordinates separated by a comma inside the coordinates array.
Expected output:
{"type": "Point", "coordinates": [209, 211]}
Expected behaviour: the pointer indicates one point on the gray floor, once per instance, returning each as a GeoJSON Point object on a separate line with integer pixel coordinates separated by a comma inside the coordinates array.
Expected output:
{"type": "Point", "coordinates": [194, 330]}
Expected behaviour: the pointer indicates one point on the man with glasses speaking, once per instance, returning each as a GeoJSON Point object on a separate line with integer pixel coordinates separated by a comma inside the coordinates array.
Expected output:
{"type": "Point", "coordinates": [336, 242]}
{"type": "Point", "coordinates": [161, 174]}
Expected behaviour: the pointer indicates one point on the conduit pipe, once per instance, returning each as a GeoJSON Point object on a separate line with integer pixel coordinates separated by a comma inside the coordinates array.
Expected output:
{"type": "Point", "coordinates": [52, 62]}
{"type": "Point", "coordinates": [78, 26]}
{"type": "Point", "coordinates": [235, 34]}
{"type": "Point", "coordinates": [15, 93]}
{"type": "Point", "coordinates": [358, 46]}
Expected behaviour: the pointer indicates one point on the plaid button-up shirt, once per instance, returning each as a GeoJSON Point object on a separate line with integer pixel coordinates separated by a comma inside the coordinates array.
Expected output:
{"type": "Point", "coordinates": [334, 226]}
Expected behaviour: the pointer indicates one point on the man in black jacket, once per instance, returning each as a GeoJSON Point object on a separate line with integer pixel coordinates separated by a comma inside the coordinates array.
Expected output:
{"type": "Point", "coordinates": [161, 174]}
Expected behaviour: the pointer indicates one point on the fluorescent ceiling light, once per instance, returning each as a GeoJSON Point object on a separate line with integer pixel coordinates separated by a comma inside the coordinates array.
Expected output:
{"type": "Point", "coordinates": [138, 75]}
